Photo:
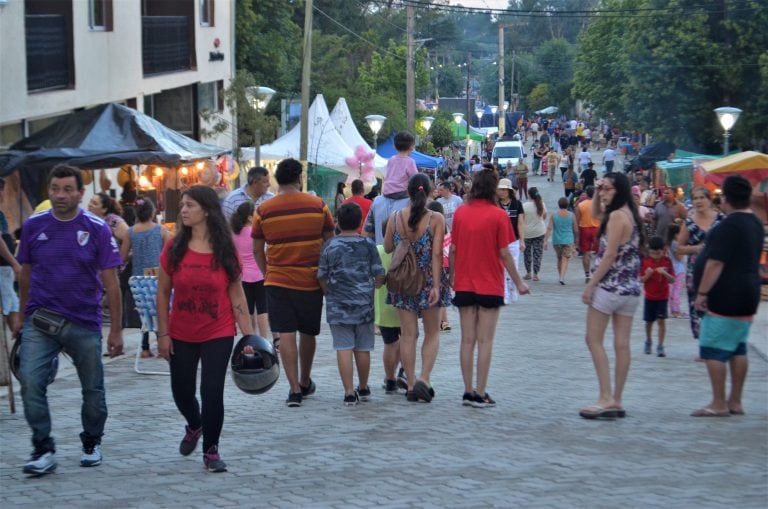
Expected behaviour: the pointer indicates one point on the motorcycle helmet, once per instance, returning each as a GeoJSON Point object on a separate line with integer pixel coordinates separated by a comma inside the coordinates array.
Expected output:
{"type": "Point", "coordinates": [257, 372]}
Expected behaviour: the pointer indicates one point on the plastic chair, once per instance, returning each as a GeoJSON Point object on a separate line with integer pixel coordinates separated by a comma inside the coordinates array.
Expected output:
{"type": "Point", "coordinates": [144, 290]}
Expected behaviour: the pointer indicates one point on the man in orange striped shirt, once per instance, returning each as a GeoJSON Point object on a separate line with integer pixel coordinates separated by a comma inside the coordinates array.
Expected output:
{"type": "Point", "coordinates": [294, 226]}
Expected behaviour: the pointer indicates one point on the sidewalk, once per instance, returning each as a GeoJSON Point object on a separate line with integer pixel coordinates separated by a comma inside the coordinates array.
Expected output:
{"type": "Point", "coordinates": [532, 450]}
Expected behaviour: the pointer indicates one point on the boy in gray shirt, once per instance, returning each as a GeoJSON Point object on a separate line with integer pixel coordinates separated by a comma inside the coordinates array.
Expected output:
{"type": "Point", "coordinates": [348, 271]}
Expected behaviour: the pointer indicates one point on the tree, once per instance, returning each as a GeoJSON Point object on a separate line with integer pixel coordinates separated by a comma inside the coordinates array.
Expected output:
{"type": "Point", "coordinates": [441, 133]}
{"type": "Point", "coordinates": [539, 98]}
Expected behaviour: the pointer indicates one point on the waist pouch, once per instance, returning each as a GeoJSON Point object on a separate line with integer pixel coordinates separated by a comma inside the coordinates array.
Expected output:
{"type": "Point", "coordinates": [48, 322]}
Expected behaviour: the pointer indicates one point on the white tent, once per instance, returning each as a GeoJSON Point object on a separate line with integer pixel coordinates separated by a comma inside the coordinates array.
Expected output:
{"type": "Point", "coordinates": [325, 147]}
{"type": "Point", "coordinates": [342, 119]}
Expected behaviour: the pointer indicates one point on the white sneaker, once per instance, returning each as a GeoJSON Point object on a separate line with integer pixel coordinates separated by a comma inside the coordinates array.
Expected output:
{"type": "Point", "coordinates": [40, 464]}
{"type": "Point", "coordinates": [91, 456]}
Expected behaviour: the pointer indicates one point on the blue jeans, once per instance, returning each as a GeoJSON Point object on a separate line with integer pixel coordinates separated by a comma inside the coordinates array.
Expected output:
{"type": "Point", "coordinates": [37, 350]}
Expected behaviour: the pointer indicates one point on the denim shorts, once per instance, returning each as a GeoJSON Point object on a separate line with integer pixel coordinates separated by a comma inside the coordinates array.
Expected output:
{"type": "Point", "coordinates": [9, 298]}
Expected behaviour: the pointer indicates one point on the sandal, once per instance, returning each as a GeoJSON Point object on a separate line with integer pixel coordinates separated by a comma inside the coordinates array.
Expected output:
{"type": "Point", "coordinates": [445, 326]}
{"type": "Point", "coordinates": [535, 277]}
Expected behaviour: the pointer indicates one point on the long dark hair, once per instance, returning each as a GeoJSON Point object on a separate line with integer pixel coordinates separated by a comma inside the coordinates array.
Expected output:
{"type": "Point", "coordinates": [622, 196]}
{"type": "Point", "coordinates": [533, 193]}
{"type": "Point", "coordinates": [240, 218]}
{"type": "Point", "coordinates": [418, 190]}
{"type": "Point", "coordinates": [110, 204]}
{"type": "Point", "coordinates": [219, 234]}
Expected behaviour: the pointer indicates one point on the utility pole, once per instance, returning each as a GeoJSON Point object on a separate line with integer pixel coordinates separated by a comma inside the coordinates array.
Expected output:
{"type": "Point", "coordinates": [410, 80]}
{"type": "Point", "coordinates": [468, 116]}
{"type": "Point", "coordinates": [500, 107]}
{"type": "Point", "coordinates": [306, 70]}
{"type": "Point", "coordinates": [512, 100]}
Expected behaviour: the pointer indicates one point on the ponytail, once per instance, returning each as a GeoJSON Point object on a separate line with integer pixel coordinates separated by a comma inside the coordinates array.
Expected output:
{"type": "Point", "coordinates": [536, 197]}
{"type": "Point", "coordinates": [418, 189]}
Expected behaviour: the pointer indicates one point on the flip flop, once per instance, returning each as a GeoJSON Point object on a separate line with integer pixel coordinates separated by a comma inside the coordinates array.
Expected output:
{"type": "Point", "coordinates": [708, 412]}
{"type": "Point", "coordinates": [598, 412]}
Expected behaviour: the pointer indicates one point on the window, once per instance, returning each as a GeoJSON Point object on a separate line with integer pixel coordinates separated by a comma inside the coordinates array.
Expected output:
{"type": "Point", "coordinates": [206, 13]}
{"type": "Point", "coordinates": [100, 15]}
{"type": "Point", "coordinates": [207, 96]}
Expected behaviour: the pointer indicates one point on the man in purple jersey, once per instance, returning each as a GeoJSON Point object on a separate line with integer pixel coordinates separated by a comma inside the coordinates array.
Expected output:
{"type": "Point", "coordinates": [68, 259]}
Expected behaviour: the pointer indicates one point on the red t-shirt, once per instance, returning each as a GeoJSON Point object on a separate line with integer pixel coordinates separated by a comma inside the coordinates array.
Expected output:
{"type": "Point", "coordinates": [365, 204]}
{"type": "Point", "coordinates": [657, 286]}
{"type": "Point", "coordinates": [201, 309]}
{"type": "Point", "coordinates": [480, 230]}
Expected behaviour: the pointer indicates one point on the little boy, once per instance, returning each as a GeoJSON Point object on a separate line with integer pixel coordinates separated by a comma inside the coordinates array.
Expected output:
{"type": "Point", "coordinates": [400, 167]}
{"type": "Point", "coordinates": [388, 321]}
{"type": "Point", "coordinates": [657, 274]}
{"type": "Point", "coordinates": [348, 271]}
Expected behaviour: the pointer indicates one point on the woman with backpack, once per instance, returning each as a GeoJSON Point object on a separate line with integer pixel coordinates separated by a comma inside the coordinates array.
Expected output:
{"type": "Point", "coordinates": [422, 231]}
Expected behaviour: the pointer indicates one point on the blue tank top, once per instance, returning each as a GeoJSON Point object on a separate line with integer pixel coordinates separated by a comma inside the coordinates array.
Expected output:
{"type": "Point", "coordinates": [562, 229]}
{"type": "Point", "coordinates": [145, 248]}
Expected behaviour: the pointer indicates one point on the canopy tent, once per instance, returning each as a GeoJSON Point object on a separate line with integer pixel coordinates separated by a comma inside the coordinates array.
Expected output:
{"type": "Point", "coordinates": [387, 150]}
{"type": "Point", "coordinates": [680, 170]}
{"type": "Point", "coordinates": [106, 136]}
{"type": "Point", "coordinates": [549, 110]}
{"type": "Point", "coordinates": [460, 132]}
{"type": "Point", "coordinates": [751, 165]}
{"type": "Point", "coordinates": [325, 146]}
{"type": "Point", "coordinates": [342, 120]}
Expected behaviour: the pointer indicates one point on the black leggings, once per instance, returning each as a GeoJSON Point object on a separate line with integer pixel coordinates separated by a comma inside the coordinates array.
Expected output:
{"type": "Point", "coordinates": [214, 356]}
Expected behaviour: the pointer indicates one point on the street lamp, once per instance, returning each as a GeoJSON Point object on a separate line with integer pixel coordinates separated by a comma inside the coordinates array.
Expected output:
{"type": "Point", "coordinates": [426, 122]}
{"type": "Point", "coordinates": [494, 109]}
{"type": "Point", "coordinates": [258, 98]}
{"type": "Point", "coordinates": [458, 117]}
{"type": "Point", "coordinates": [375, 123]}
{"type": "Point", "coordinates": [727, 117]}
{"type": "Point", "coordinates": [479, 113]}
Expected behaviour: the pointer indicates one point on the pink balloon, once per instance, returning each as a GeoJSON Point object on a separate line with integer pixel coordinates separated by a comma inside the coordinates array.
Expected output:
{"type": "Point", "coordinates": [351, 162]}
{"type": "Point", "coordinates": [360, 152]}
{"type": "Point", "coordinates": [367, 157]}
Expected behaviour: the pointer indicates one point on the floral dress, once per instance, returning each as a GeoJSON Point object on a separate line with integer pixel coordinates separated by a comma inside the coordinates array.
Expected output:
{"type": "Point", "coordinates": [622, 277]}
{"type": "Point", "coordinates": [696, 236]}
{"type": "Point", "coordinates": [420, 301]}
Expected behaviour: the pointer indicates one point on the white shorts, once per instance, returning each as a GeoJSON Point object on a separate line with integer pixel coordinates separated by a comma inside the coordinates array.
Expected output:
{"type": "Point", "coordinates": [609, 303]}
{"type": "Point", "coordinates": [10, 300]}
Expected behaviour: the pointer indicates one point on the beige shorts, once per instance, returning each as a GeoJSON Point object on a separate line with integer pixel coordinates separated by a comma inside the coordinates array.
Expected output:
{"type": "Point", "coordinates": [609, 303]}
{"type": "Point", "coordinates": [563, 250]}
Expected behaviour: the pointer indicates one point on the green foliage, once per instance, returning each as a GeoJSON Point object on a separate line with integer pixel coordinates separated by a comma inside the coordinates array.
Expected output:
{"type": "Point", "coordinates": [664, 74]}
{"type": "Point", "coordinates": [441, 134]}
{"type": "Point", "coordinates": [540, 97]}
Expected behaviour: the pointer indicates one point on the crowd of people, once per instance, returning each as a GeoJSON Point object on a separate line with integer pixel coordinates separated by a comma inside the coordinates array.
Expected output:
{"type": "Point", "coordinates": [265, 262]}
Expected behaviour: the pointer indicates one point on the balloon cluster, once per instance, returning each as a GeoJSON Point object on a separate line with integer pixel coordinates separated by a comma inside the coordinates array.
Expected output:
{"type": "Point", "coordinates": [363, 162]}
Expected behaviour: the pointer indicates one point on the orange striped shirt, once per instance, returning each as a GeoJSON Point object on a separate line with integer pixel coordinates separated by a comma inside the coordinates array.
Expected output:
{"type": "Point", "coordinates": [292, 225]}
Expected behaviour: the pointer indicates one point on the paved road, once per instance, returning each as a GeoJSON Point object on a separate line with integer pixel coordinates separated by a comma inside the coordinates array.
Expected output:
{"type": "Point", "coordinates": [532, 450]}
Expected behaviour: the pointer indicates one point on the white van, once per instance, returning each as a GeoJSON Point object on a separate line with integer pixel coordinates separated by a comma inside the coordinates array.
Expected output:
{"type": "Point", "coordinates": [508, 151]}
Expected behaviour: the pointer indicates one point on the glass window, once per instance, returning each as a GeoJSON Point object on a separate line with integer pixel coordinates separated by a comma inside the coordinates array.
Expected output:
{"type": "Point", "coordinates": [206, 13]}
{"type": "Point", "coordinates": [100, 15]}
{"type": "Point", "coordinates": [207, 96]}
{"type": "Point", "coordinates": [10, 134]}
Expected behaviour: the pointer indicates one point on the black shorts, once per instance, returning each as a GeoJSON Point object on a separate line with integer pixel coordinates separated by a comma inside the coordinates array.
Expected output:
{"type": "Point", "coordinates": [462, 299]}
{"type": "Point", "coordinates": [654, 310]}
{"type": "Point", "coordinates": [390, 334]}
{"type": "Point", "coordinates": [294, 310]}
{"type": "Point", "coordinates": [255, 296]}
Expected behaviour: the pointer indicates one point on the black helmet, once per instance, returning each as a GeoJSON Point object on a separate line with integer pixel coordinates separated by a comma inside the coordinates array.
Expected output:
{"type": "Point", "coordinates": [255, 373]}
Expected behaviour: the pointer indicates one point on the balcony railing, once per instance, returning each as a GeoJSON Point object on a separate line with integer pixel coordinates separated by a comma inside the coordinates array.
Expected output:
{"type": "Point", "coordinates": [48, 52]}
{"type": "Point", "coordinates": [166, 44]}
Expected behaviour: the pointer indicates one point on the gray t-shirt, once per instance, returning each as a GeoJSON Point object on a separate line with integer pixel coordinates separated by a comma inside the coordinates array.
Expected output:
{"type": "Point", "coordinates": [381, 208]}
{"type": "Point", "coordinates": [349, 264]}
{"type": "Point", "coordinates": [450, 205]}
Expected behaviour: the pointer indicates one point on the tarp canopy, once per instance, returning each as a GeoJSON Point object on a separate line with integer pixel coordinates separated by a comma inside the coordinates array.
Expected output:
{"type": "Point", "coordinates": [387, 150]}
{"type": "Point", "coordinates": [680, 170]}
{"type": "Point", "coordinates": [460, 132]}
{"type": "Point", "coordinates": [549, 110]}
{"type": "Point", "coordinates": [325, 146]}
{"type": "Point", "coordinates": [342, 120]}
{"type": "Point", "coordinates": [105, 136]}
{"type": "Point", "coordinates": [751, 165]}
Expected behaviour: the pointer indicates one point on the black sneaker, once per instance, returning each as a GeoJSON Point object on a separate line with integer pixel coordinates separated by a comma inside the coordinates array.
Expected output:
{"type": "Point", "coordinates": [41, 463]}
{"type": "Point", "coordinates": [467, 398]}
{"type": "Point", "coordinates": [189, 442]}
{"type": "Point", "coordinates": [364, 394]}
{"type": "Point", "coordinates": [660, 351]}
{"type": "Point", "coordinates": [351, 399]}
{"type": "Point", "coordinates": [477, 401]}
{"type": "Point", "coordinates": [390, 386]}
{"type": "Point", "coordinates": [422, 390]}
{"type": "Point", "coordinates": [309, 389]}
{"type": "Point", "coordinates": [489, 401]}
{"type": "Point", "coordinates": [294, 399]}
{"type": "Point", "coordinates": [212, 460]}
{"type": "Point", "coordinates": [402, 380]}
{"type": "Point", "coordinates": [647, 348]}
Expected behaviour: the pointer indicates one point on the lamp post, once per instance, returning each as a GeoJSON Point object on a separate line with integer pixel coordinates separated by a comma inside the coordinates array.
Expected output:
{"type": "Point", "coordinates": [479, 114]}
{"type": "Point", "coordinates": [258, 98]}
{"type": "Point", "coordinates": [494, 109]}
{"type": "Point", "coordinates": [457, 118]}
{"type": "Point", "coordinates": [727, 117]}
{"type": "Point", "coordinates": [375, 123]}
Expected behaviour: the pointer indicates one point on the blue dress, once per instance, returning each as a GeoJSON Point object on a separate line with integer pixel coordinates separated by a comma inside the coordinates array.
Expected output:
{"type": "Point", "coordinates": [420, 301]}
{"type": "Point", "coordinates": [145, 249]}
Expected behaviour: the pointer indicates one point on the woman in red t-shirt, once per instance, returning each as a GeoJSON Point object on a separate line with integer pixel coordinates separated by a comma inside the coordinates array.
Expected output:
{"type": "Point", "coordinates": [479, 254]}
{"type": "Point", "coordinates": [200, 265]}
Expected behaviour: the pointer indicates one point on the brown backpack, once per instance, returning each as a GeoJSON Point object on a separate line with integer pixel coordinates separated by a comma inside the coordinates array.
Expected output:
{"type": "Point", "coordinates": [404, 275]}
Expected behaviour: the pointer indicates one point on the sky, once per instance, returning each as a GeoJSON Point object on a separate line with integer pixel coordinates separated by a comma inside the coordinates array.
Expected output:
{"type": "Point", "coordinates": [489, 4]}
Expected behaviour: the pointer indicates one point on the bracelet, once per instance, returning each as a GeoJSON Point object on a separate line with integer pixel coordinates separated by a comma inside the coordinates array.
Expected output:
{"type": "Point", "coordinates": [162, 335]}
{"type": "Point", "coordinates": [703, 294]}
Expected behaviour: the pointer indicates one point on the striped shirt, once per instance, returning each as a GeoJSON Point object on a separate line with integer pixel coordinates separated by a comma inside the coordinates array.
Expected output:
{"type": "Point", "coordinates": [292, 225]}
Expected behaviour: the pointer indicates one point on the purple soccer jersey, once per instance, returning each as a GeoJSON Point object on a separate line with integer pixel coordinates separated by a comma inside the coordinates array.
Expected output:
{"type": "Point", "coordinates": [67, 258]}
